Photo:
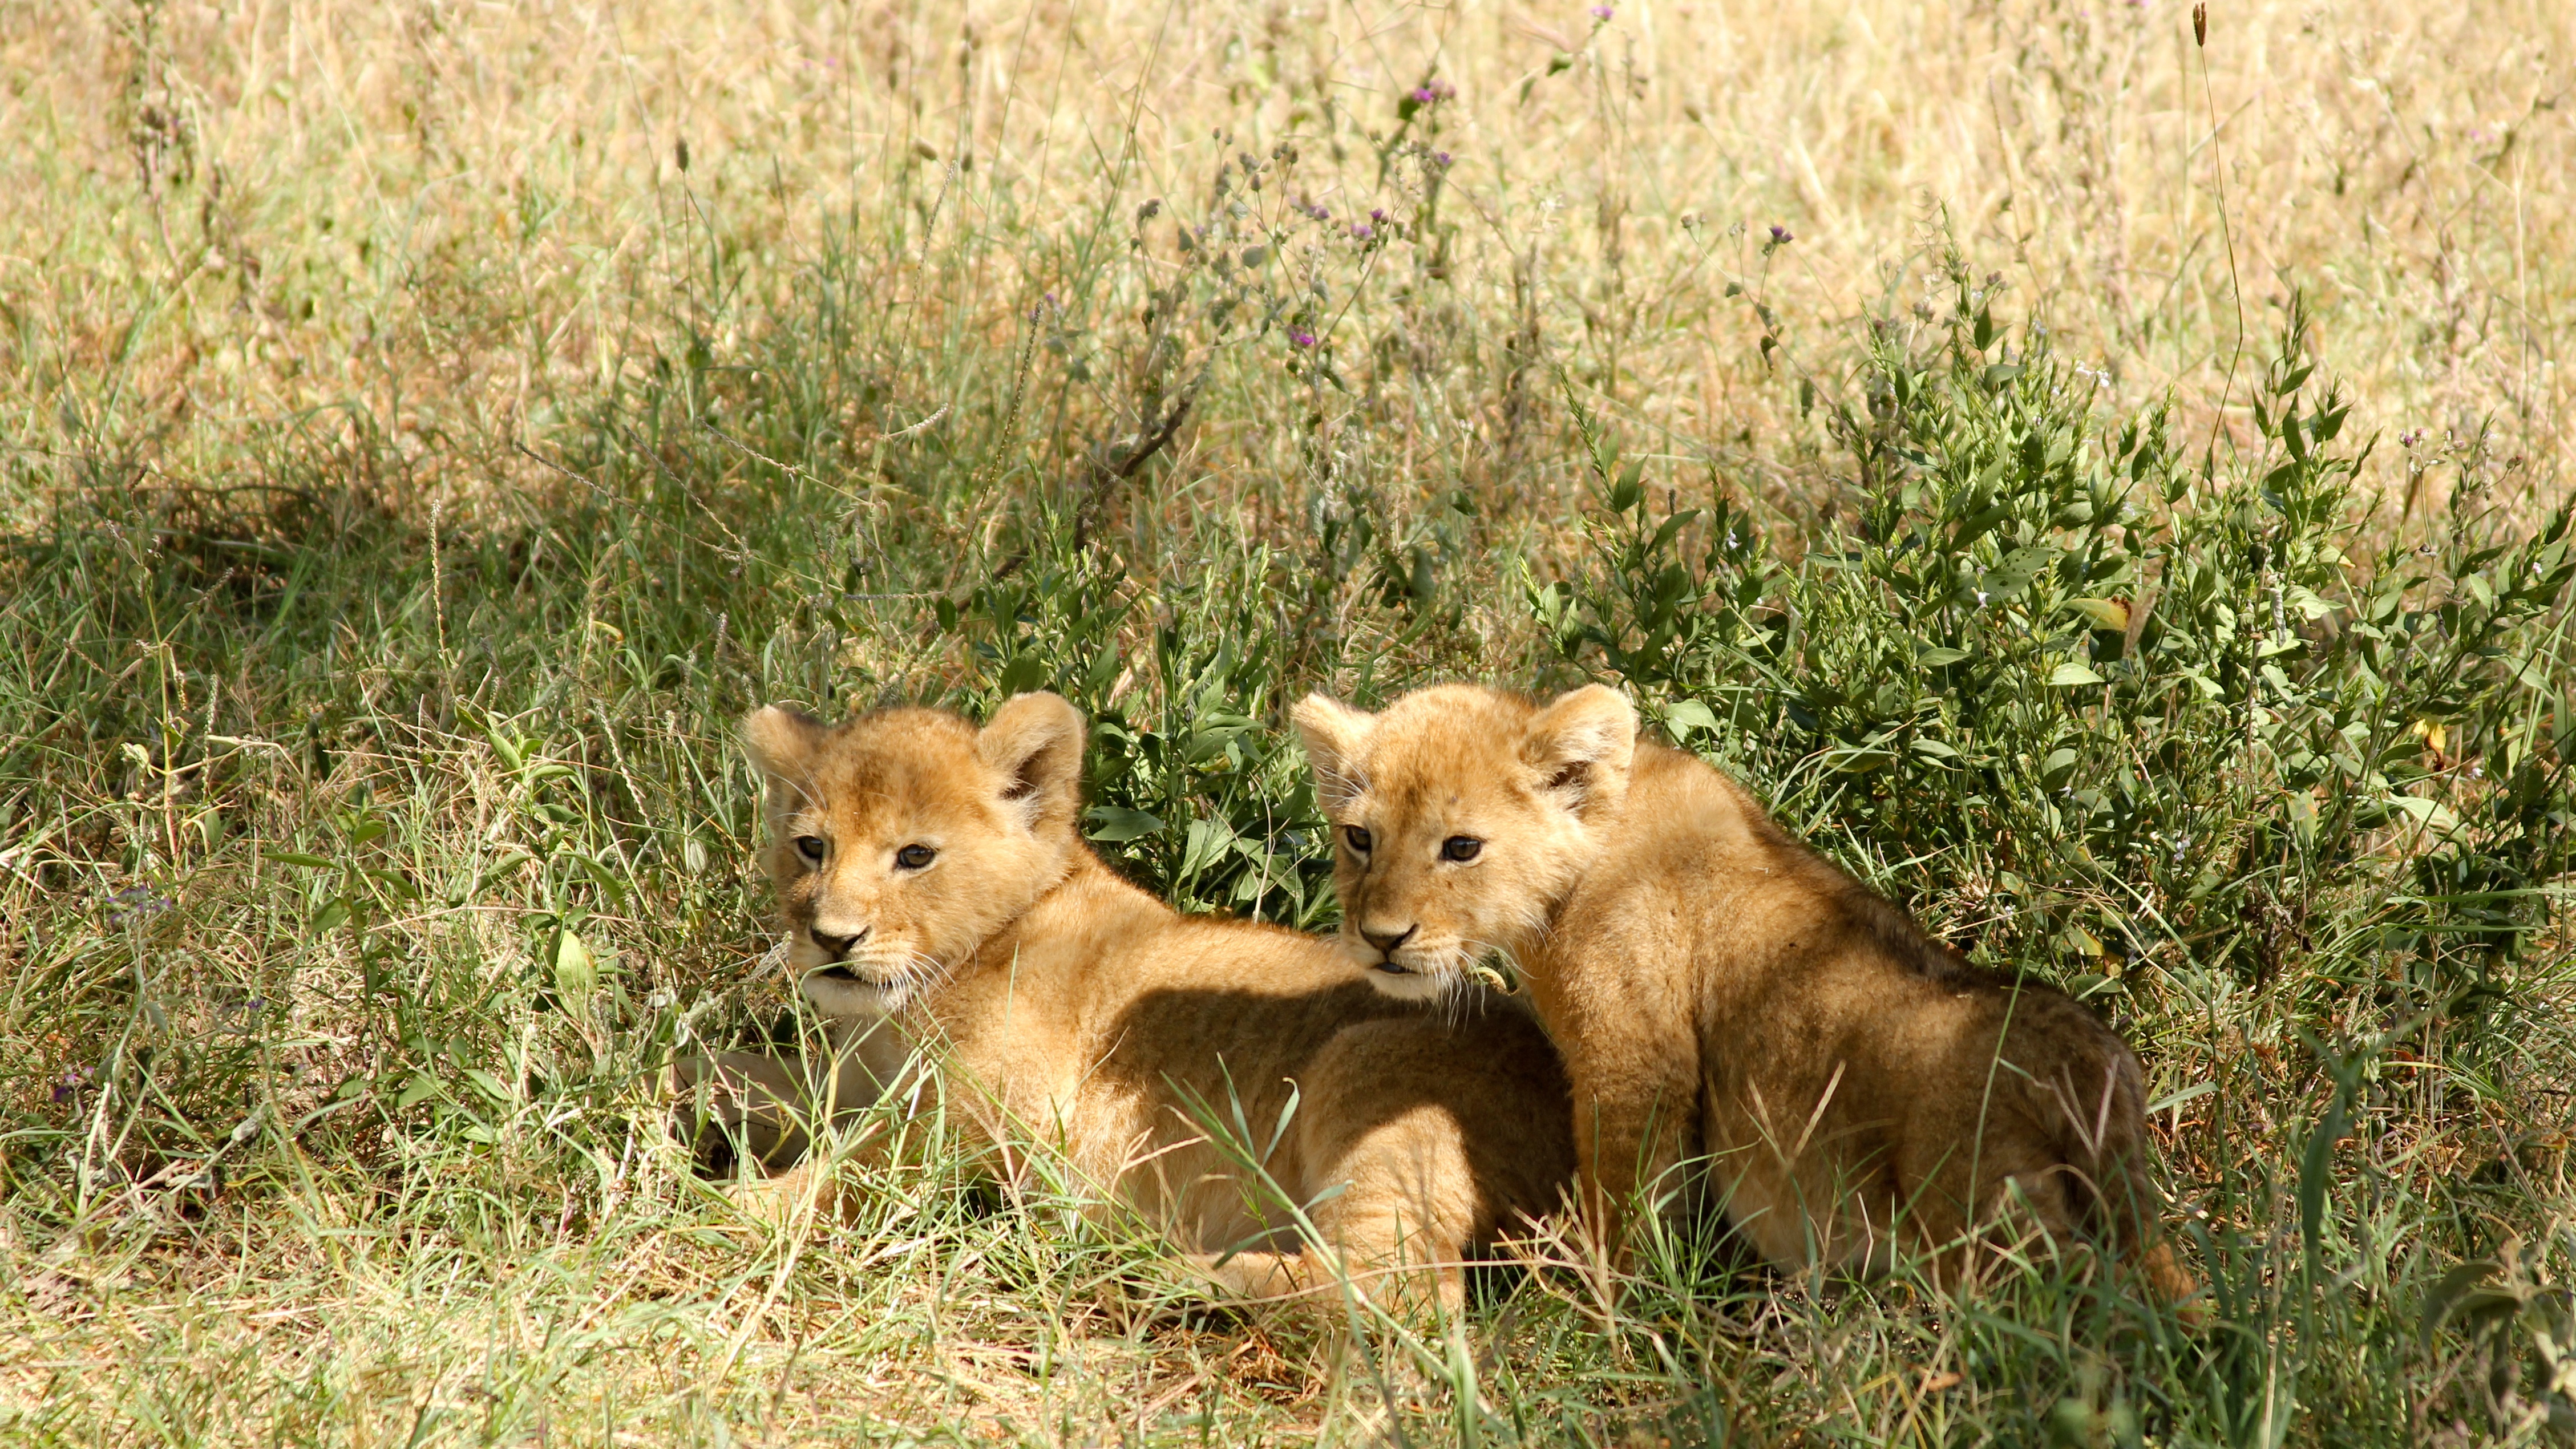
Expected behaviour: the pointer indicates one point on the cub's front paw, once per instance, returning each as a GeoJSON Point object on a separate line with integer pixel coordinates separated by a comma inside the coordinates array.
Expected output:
{"type": "Point", "coordinates": [735, 1109]}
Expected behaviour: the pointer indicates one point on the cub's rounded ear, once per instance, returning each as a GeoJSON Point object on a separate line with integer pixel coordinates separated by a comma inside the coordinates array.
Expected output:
{"type": "Point", "coordinates": [1036, 741]}
{"type": "Point", "coordinates": [1334, 735]}
{"type": "Point", "coordinates": [781, 743]}
{"type": "Point", "coordinates": [1582, 746]}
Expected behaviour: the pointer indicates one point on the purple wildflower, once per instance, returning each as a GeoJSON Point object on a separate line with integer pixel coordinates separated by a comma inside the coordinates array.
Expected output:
{"type": "Point", "coordinates": [126, 905]}
{"type": "Point", "coordinates": [1782, 236]}
{"type": "Point", "coordinates": [1362, 230]}
{"type": "Point", "coordinates": [1440, 159]}
{"type": "Point", "coordinates": [1603, 13]}
{"type": "Point", "coordinates": [1301, 339]}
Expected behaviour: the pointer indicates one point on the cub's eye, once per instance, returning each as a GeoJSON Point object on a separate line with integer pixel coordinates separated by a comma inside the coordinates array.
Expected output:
{"type": "Point", "coordinates": [1358, 838]}
{"type": "Point", "coordinates": [1461, 848]}
{"type": "Point", "coordinates": [810, 847]}
{"type": "Point", "coordinates": [914, 857]}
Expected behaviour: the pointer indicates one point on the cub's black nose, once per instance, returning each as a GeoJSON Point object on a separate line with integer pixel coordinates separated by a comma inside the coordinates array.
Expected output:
{"type": "Point", "coordinates": [838, 947]}
{"type": "Point", "coordinates": [1387, 941]}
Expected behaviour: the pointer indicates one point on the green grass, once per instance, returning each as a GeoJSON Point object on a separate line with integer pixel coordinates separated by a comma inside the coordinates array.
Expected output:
{"type": "Point", "coordinates": [390, 551]}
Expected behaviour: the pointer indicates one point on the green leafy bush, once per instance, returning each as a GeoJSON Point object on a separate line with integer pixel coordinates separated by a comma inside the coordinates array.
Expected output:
{"type": "Point", "coordinates": [2109, 709]}
{"type": "Point", "coordinates": [1193, 792]}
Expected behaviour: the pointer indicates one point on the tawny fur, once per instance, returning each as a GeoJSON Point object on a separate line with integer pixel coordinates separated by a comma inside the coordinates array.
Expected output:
{"type": "Point", "coordinates": [1068, 1012]}
{"type": "Point", "coordinates": [1723, 994]}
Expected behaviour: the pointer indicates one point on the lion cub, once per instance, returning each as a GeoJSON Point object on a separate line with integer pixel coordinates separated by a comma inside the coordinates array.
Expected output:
{"type": "Point", "coordinates": [937, 897]}
{"type": "Point", "coordinates": [1719, 990]}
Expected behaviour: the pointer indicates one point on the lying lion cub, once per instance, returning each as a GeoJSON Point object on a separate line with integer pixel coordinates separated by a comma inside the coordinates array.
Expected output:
{"type": "Point", "coordinates": [936, 895]}
{"type": "Point", "coordinates": [1719, 990]}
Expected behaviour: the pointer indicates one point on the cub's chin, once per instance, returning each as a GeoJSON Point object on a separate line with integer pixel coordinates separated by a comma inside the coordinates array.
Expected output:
{"type": "Point", "coordinates": [1402, 980]}
{"type": "Point", "coordinates": [842, 993]}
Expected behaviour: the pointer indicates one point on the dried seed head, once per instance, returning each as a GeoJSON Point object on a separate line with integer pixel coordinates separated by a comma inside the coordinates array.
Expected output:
{"type": "Point", "coordinates": [2200, 25]}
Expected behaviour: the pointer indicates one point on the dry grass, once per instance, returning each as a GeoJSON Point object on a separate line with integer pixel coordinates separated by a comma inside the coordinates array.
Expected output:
{"type": "Point", "coordinates": [420, 229]}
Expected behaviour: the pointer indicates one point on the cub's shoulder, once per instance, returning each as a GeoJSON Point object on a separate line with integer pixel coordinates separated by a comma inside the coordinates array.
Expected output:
{"type": "Point", "coordinates": [1677, 801]}
{"type": "Point", "coordinates": [1232, 950]}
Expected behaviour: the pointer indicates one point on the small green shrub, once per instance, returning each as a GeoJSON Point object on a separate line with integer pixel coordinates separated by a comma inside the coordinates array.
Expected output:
{"type": "Point", "coordinates": [2160, 726]}
{"type": "Point", "coordinates": [1194, 793]}
{"type": "Point", "coordinates": [2111, 711]}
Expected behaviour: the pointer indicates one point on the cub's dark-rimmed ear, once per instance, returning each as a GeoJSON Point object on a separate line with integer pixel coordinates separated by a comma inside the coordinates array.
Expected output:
{"type": "Point", "coordinates": [781, 743]}
{"type": "Point", "coordinates": [1582, 745]}
{"type": "Point", "coordinates": [1334, 736]}
{"type": "Point", "coordinates": [1036, 741]}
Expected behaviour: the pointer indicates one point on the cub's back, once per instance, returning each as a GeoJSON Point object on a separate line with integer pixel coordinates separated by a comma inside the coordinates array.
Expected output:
{"type": "Point", "coordinates": [1787, 944]}
{"type": "Point", "coordinates": [1491, 1069]}
{"type": "Point", "coordinates": [1228, 1017]}
{"type": "Point", "coordinates": [1695, 844]}
{"type": "Point", "coordinates": [1210, 996]}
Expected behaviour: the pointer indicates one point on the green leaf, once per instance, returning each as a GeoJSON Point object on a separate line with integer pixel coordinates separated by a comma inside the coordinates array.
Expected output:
{"type": "Point", "coordinates": [297, 857]}
{"type": "Point", "coordinates": [1976, 525]}
{"type": "Point", "coordinates": [2433, 815]}
{"type": "Point", "coordinates": [1207, 844]}
{"type": "Point", "coordinates": [504, 745]}
{"type": "Point", "coordinates": [2316, 1172]}
{"type": "Point", "coordinates": [1684, 717]}
{"type": "Point", "coordinates": [1025, 672]}
{"type": "Point", "coordinates": [1116, 824]}
{"type": "Point", "coordinates": [2110, 614]}
{"type": "Point", "coordinates": [576, 974]}
{"type": "Point", "coordinates": [2072, 673]}
{"type": "Point", "coordinates": [2175, 1099]}
{"type": "Point", "coordinates": [1936, 657]}
{"type": "Point", "coordinates": [2006, 580]}
{"type": "Point", "coordinates": [2455, 1286]}
{"type": "Point", "coordinates": [419, 1089]}
{"type": "Point", "coordinates": [600, 875]}
{"type": "Point", "coordinates": [489, 1085]}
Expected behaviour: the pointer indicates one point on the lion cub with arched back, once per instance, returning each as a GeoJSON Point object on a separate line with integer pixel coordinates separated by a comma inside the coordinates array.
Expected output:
{"type": "Point", "coordinates": [937, 898]}
{"type": "Point", "coordinates": [1719, 991]}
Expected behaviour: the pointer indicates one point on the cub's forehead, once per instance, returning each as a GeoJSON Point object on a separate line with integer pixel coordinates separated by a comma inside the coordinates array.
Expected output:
{"type": "Point", "coordinates": [1453, 722]}
{"type": "Point", "coordinates": [1448, 744]}
{"type": "Point", "coordinates": [912, 767]}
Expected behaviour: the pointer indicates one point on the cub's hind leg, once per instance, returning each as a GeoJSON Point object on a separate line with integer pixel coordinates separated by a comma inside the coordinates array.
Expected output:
{"type": "Point", "coordinates": [1382, 1222]}
{"type": "Point", "coordinates": [1398, 1197]}
{"type": "Point", "coordinates": [1387, 1206]}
